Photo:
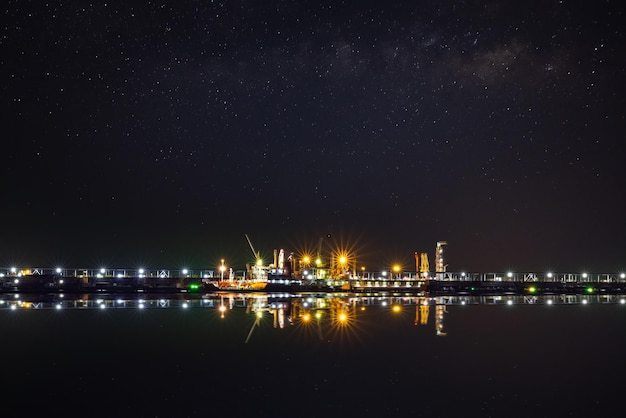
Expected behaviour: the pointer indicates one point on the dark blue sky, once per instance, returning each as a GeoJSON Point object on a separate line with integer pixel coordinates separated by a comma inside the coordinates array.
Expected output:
{"type": "Point", "coordinates": [161, 133]}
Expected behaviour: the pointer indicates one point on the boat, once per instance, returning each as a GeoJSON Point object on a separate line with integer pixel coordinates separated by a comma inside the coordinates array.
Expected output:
{"type": "Point", "coordinates": [243, 284]}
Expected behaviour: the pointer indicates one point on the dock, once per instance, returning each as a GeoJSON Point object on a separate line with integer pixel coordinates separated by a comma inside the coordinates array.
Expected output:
{"type": "Point", "coordinates": [41, 280]}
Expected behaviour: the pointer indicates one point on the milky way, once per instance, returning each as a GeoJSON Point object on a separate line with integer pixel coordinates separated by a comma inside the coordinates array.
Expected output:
{"type": "Point", "coordinates": [163, 132]}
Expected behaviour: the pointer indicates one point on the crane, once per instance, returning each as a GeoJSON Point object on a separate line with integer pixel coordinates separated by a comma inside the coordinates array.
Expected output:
{"type": "Point", "coordinates": [257, 255]}
{"type": "Point", "coordinates": [258, 262]}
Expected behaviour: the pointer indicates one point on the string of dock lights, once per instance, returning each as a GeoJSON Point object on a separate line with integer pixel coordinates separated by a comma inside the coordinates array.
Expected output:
{"type": "Point", "coordinates": [222, 268]}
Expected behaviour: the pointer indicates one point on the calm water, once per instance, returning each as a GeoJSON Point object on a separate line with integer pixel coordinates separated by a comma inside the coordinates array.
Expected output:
{"type": "Point", "coordinates": [404, 356]}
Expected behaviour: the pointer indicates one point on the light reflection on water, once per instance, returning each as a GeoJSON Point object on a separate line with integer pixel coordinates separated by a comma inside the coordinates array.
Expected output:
{"type": "Point", "coordinates": [284, 310]}
{"type": "Point", "coordinates": [260, 301]}
{"type": "Point", "coordinates": [331, 354]}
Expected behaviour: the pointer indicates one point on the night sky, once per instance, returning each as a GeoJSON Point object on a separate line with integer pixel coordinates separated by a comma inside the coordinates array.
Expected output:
{"type": "Point", "coordinates": [160, 133]}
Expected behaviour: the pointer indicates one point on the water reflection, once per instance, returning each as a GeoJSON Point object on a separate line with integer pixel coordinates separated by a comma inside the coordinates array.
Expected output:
{"type": "Point", "coordinates": [314, 310]}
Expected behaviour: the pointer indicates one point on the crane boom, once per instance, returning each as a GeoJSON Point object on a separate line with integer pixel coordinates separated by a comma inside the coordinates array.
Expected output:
{"type": "Point", "coordinates": [256, 255]}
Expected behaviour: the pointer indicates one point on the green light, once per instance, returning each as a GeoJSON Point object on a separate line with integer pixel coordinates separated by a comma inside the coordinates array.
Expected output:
{"type": "Point", "coordinates": [589, 289]}
{"type": "Point", "coordinates": [194, 286]}
{"type": "Point", "coordinates": [532, 289]}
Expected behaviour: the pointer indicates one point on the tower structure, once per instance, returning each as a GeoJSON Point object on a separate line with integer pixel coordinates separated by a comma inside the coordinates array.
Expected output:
{"type": "Point", "coordinates": [440, 267]}
{"type": "Point", "coordinates": [424, 266]}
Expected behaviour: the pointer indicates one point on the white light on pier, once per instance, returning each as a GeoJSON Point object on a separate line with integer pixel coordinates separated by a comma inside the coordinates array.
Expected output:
{"type": "Point", "coordinates": [58, 270]}
{"type": "Point", "coordinates": [549, 275]}
{"type": "Point", "coordinates": [509, 274]}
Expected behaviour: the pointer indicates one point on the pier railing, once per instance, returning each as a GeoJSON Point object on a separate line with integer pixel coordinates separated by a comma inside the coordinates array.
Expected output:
{"type": "Point", "coordinates": [164, 273]}
{"type": "Point", "coordinates": [107, 273]}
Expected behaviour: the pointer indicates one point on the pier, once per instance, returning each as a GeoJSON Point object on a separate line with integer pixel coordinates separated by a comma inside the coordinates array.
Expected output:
{"type": "Point", "coordinates": [497, 283]}
{"type": "Point", "coordinates": [185, 280]}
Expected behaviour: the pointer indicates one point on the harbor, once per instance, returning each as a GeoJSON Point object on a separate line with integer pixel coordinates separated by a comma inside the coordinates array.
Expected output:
{"type": "Point", "coordinates": [336, 271]}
